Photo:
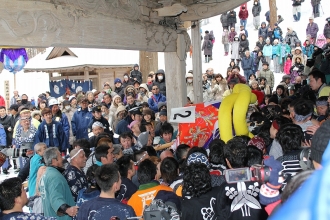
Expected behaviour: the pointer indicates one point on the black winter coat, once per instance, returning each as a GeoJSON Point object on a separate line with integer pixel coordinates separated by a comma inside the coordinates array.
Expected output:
{"type": "Point", "coordinates": [232, 17]}
{"type": "Point", "coordinates": [223, 20]}
{"type": "Point", "coordinates": [161, 85]}
{"type": "Point", "coordinates": [8, 122]}
{"type": "Point", "coordinates": [137, 75]}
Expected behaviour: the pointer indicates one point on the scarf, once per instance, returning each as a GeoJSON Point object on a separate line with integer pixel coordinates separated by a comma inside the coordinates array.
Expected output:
{"type": "Point", "coordinates": [19, 140]}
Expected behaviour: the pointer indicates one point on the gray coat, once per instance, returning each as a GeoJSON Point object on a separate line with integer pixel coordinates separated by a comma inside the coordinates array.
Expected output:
{"type": "Point", "coordinates": [291, 39]}
{"type": "Point", "coordinates": [207, 51]}
{"type": "Point", "coordinates": [256, 9]}
{"type": "Point", "coordinates": [223, 20]}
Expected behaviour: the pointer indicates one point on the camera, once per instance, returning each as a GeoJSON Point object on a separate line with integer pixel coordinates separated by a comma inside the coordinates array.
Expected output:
{"type": "Point", "coordinates": [256, 172]}
{"type": "Point", "coordinates": [14, 152]}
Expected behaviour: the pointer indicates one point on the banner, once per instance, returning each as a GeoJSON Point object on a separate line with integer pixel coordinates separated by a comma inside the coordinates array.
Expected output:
{"type": "Point", "coordinates": [58, 88]}
{"type": "Point", "coordinates": [204, 129]}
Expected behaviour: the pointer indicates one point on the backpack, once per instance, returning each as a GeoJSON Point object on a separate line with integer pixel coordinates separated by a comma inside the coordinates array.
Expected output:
{"type": "Point", "coordinates": [209, 44]}
{"type": "Point", "coordinates": [158, 210]}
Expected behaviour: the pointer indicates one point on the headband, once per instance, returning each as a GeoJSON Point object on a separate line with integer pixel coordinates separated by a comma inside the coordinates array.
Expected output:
{"type": "Point", "coordinates": [321, 103]}
{"type": "Point", "coordinates": [25, 110]}
{"type": "Point", "coordinates": [300, 118]}
{"type": "Point", "coordinates": [76, 154]}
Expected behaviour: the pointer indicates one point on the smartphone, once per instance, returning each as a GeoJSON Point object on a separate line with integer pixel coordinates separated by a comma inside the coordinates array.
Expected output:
{"type": "Point", "coordinates": [237, 175]}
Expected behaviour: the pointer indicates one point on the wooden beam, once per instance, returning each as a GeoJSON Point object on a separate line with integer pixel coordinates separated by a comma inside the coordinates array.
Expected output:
{"type": "Point", "coordinates": [42, 24]}
{"type": "Point", "coordinates": [205, 10]}
{"type": "Point", "coordinates": [272, 13]}
{"type": "Point", "coordinates": [148, 62]}
{"type": "Point", "coordinates": [73, 77]}
{"type": "Point", "coordinates": [175, 69]}
{"type": "Point", "coordinates": [197, 63]}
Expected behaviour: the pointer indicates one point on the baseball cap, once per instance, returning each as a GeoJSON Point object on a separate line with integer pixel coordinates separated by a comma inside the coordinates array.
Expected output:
{"type": "Point", "coordinates": [97, 109]}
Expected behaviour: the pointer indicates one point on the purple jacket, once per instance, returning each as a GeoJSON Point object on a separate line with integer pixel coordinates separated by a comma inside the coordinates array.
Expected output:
{"type": "Point", "coordinates": [232, 35]}
{"type": "Point", "coordinates": [312, 30]}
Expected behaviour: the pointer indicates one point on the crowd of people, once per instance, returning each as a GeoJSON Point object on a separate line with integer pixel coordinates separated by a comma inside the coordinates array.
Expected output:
{"type": "Point", "coordinates": [92, 155]}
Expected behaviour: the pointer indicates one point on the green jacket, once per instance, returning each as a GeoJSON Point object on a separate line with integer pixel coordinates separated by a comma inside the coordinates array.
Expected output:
{"type": "Point", "coordinates": [55, 191]}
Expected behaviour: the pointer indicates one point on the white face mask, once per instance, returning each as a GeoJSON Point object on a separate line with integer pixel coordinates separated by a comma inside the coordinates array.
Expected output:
{"type": "Point", "coordinates": [256, 3]}
{"type": "Point", "coordinates": [67, 107]}
{"type": "Point", "coordinates": [189, 80]}
{"type": "Point", "coordinates": [160, 77]}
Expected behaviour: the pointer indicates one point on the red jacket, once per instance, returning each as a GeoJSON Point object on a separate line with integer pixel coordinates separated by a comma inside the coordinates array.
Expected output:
{"type": "Point", "coordinates": [243, 15]}
{"type": "Point", "coordinates": [2, 101]}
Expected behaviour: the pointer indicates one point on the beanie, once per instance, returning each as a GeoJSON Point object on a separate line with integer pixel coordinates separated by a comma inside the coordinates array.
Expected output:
{"type": "Point", "coordinates": [117, 80]}
{"type": "Point", "coordinates": [258, 142]}
{"type": "Point", "coordinates": [320, 141]}
{"type": "Point", "coordinates": [273, 99]}
{"type": "Point", "coordinates": [163, 112]}
{"type": "Point", "coordinates": [142, 140]}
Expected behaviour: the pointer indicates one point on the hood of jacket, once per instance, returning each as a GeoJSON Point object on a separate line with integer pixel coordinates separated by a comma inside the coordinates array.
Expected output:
{"type": "Point", "coordinates": [143, 85]}
{"type": "Point", "coordinates": [129, 86]}
{"type": "Point", "coordinates": [160, 71]}
{"type": "Point", "coordinates": [113, 100]}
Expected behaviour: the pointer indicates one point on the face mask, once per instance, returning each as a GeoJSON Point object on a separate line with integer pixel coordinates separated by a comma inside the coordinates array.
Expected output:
{"type": "Point", "coordinates": [256, 3]}
{"type": "Point", "coordinates": [189, 80]}
{"type": "Point", "coordinates": [103, 114]}
{"type": "Point", "coordinates": [142, 93]}
{"type": "Point", "coordinates": [160, 77]}
{"type": "Point", "coordinates": [24, 101]}
{"type": "Point", "coordinates": [67, 107]}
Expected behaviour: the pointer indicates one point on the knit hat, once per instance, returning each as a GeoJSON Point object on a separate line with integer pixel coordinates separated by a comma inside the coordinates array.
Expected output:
{"type": "Point", "coordinates": [269, 192]}
{"type": "Point", "coordinates": [163, 112]}
{"type": "Point", "coordinates": [198, 157]}
{"type": "Point", "coordinates": [142, 140]}
{"type": "Point", "coordinates": [160, 105]}
{"type": "Point", "coordinates": [280, 87]}
{"type": "Point", "coordinates": [117, 80]}
{"type": "Point", "coordinates": [320, 141]}
{"type": "Point", "coordinates": [265, 63]}
{"type": "Point", "coordinates": [258, 142]}
{"type": "Point", "coordinates": [120, 108]}
{"type": "Point", "coordinates": [130, 126]}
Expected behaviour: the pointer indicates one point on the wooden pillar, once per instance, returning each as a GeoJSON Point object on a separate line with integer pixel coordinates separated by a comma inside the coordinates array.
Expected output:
{"type": "Point", "coordinates": [273, 13]}
{"type": "Point", "coordinates": [86, 73]}
{"type": "Point", "coordinates": [175, 70]}
{"type": "Point", "coordinates": [197, 63]}
{"type": "Point", "coordinates": [148, 62]}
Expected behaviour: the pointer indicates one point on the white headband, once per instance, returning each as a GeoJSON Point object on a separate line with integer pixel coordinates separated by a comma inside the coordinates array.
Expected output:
{"type": "Point", "coordinates": [76, 154]}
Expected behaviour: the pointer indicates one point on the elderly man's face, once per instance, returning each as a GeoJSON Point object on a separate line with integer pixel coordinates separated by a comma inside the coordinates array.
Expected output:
{"type": "Point", "coordinates": [97, 130]}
